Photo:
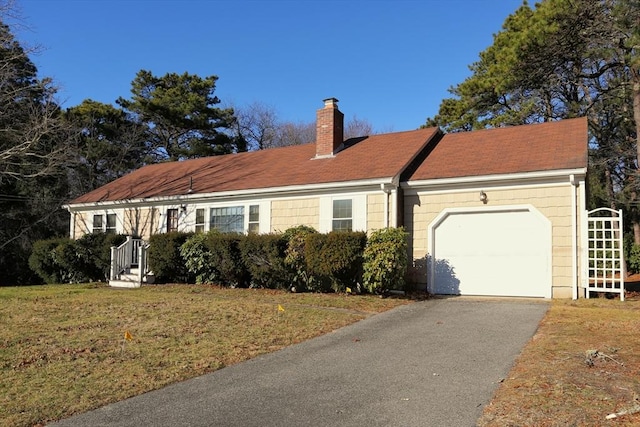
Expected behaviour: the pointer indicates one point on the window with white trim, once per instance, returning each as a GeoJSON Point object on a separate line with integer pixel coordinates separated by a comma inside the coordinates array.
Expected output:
{"type": "Point", "coordinates": [336, 212]}
{"type": "Point", "coordinates": [254, 219]}
{"type": "Point", "coordinates": [111, 224]}
{"type": "Point", "coordinates": [227, 220]}
{"type": "Point", "coordinates": [97, 223]}
{"type": "Point", "coordinates": [104, 223]}
{"type": "Point", "coordinates": [199, 220]}
{"type": "Point", "coordinates": [342, 218]}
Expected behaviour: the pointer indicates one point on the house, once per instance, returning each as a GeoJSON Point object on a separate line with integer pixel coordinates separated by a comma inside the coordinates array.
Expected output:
{"type": "Point", "coordinates": [491, 212]}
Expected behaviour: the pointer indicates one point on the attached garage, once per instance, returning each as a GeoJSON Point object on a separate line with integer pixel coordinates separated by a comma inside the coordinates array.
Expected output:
{"type": "Point", "coordinates": [499, 212]}
{"type": "Point", "coordinates": [503, 251]}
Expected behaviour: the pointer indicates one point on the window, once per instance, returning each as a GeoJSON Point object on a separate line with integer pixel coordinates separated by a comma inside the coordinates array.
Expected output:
{"type": "Point", "coordinates": [199, 220]}
{"type": "Point", "coordinates": [97, 223]}
{"type": "Point", "coordinates": [227, 220]}
{"type": "Point", "coordinates": [172, 220]}
{"type": "Point", "coordinates": [342, 215]}
{"type": "Point", "coordinates": [102, 226]}
{"type": "Point", "coordinates": [344, 212]}
{"type": "Point", "coordinates": [111, 224]}
{"type": "Point", "coordinates": [254, 219]}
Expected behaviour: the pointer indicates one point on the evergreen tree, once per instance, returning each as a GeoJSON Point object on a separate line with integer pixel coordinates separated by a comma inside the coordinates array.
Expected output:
{"type": "Point", "coordinates": [109, 145]}
{"type": "Point", "coordinates": [180, 115]}
{"type": "Point", "coordinates": [563, 59]}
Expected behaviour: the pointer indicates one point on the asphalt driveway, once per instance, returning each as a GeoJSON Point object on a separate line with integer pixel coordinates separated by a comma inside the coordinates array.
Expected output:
{"type": "Point", "coordinates": [431, 363]}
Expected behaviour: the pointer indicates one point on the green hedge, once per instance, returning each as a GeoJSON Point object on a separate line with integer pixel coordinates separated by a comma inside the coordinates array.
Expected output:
{"type": "Point", "coordinates": [63, 260]}
{"type": "Point", "coordinates": [298, 259]}
{"type": "Point", "coordinates": [385, 260]}
{"type": "Point", "coordinates": [263, 256]}
{"type": "Point", "coordinates": [165, 259]}
{"type": "Point", "coordinates": [226, 258]}
{"type": "Point", "coordinates": [335, 260]}
{"type": "Point", "coordinates": [298, 274]}
{"type": "Point", "coordinates": [44, 260]}
{"type": "Point", "coordinates": [89, 258]}
{"type": "Point", "coordinates": [199, 260]}
{"type": "Point", "coordinates": [633, 259]}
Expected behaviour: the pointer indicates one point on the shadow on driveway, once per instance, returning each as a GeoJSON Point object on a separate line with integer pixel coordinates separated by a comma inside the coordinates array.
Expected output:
{"type": "Point", "coordinates": [430, 363]}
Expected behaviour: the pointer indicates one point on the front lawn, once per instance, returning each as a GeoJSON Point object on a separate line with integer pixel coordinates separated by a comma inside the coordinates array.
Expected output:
{"type": "Point", "coordinates": [63, 348]}
{"type": "Point", "coordinates": [581, 366]}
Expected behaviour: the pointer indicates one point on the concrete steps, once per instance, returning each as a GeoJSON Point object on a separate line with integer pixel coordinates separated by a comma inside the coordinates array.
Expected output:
{"type": "Point", "coordinates": [123, 284]}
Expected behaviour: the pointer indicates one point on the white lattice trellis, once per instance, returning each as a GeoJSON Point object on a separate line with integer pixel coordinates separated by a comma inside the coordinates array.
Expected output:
{"type": "Point", "coordinates": [605, 255]}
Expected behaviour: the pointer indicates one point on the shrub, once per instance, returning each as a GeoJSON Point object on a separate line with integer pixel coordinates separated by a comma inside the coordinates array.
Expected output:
{"type": "Point", "coordinates": [198, 259]}
{"type": "Point", "coordinates": [226, 258]}
{"type": "Point", "coordinates": [165, 260]}
{"type": "Point", "coordinates": [263, 256]}
{"type": "Point", "coordinates": [88, 263]}
{"type": "Point", "coordinates": [44, 260]}
{"type": "Point", "coordinates": [298, 230]}
{"type": "Point", "coordinates": [294, 260]}
{"type": "Point", "coordinates": [74, 260]}
{"type": "Point", "coordinates": [345, 252]}
{"type": "Point", "coordinates": [87, 259]}
{"type": "Point", "coordinates": [336, 259]}
{"type": "Point", "coordinates": [633, 260]}
{"type": "Point", "coordinates": [385, 260]}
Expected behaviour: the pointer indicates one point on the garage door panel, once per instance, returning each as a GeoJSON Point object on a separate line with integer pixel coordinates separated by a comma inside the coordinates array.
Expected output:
{"type": "Point", "coordinates": [493, 253]}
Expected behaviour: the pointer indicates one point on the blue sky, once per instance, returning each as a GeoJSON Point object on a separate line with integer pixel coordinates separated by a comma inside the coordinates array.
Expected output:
{"type": "Point", "coordinates": [388, 62]}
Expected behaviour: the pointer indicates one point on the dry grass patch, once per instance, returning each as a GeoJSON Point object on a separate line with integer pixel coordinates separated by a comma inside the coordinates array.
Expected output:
{"type": "Point", "coordinates": [62, 348]}
{"type": "Point", "coordinates": [559, 381]}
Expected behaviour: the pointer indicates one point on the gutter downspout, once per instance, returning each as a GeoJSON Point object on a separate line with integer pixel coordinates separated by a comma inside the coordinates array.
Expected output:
{"type": "Point", "coordinates": [386, 191]}
{"type": "Point", "coordinates": [394, 213]}
{"type": "Point", "coordinates": [574, 236]}
{"type": "Point", "coordinates": [72, 226]}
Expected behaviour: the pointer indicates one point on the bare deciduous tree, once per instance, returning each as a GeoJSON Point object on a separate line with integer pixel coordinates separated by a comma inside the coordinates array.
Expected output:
{"type": "Point", "coordinates": [290, 133]}
{"type": "Point", "coordinates": [356, 127]}
{"type": "Point", "coordinates": [35, 155]}
{"type": "Point", "coordinates": [30, 123]}
{"type": "Point", "coordinates": [260, 126]}
{"type": "Point", "coordinates": [257, 123]}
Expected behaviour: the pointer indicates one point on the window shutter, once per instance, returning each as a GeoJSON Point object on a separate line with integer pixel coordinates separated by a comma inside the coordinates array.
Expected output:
{"type": "Point", "coordinates": [359, 207]}
{"type": "Point", "coordinates": [326, 214]}
{"type": "Point", "coordinates": [265, 217]}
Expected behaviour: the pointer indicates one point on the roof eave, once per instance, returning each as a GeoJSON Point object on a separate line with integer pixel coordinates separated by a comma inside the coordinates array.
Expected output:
{"type": "Point", "coordinates": [292, 190]}
{"type": "Point", "coordinates": [494, 179]}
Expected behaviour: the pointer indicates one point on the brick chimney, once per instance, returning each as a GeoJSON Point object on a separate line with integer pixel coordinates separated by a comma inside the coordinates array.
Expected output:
{"type": "Point", "coordinates": [329, 129]}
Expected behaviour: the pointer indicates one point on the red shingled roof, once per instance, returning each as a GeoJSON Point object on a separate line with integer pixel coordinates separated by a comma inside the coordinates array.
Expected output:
{"type": "Point", "coordinates": [376, 156]}
{"type": "Point", "coordinates": [529, 148]}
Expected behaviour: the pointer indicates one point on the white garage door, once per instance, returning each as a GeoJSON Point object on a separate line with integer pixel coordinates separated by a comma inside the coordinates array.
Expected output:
{"type": "Point", "coordinates": [497, 252]}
